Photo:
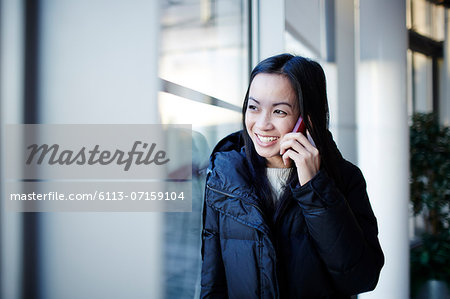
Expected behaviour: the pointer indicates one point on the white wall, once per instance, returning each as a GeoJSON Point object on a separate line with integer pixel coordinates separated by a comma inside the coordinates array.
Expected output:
{"type": "Point", "coordinates": [98, 64]}
{"type": "Point", "coordinates": [11, 94]}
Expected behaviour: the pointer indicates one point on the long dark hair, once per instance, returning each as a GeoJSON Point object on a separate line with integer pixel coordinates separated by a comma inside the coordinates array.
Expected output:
{"type": "Point", "coordinates": [308, 81]}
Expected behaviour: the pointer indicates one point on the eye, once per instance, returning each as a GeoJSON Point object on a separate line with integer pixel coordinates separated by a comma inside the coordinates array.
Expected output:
{"type": "Point", "coordinates": [252, 107]}
{"type": "Point", "coordinates": [280, 112]}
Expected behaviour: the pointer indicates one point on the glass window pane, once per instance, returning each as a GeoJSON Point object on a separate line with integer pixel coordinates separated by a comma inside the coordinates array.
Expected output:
{"type": "Point", "coordinates": [409, 81]}
{"type": "Point", "coordinates": [408, 14]}
{"type": "Point", "coordinates": [438, 24]}
{"type": "Point", "coordinates": [211, 121]}
{"type": "Point", "coordinates": [421, 17]}
{"type": "Point", "coordinates": [204, 46]}
{"type": "Point", "coordinates": [427, 19]}
{"type": "Point", "coordinates": [422, 83]}
{"type": "Point", "coordinates": [182, 231]}
{"type": "Point", "coordinates": [204, 51]}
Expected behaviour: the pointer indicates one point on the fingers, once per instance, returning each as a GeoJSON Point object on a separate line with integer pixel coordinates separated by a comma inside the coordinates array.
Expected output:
{"type": "Point", "coordinates": [306, 168]}
{"type": "Point", "coordinates": [301, 157]}
{"type": "Point", "coordinates": [289, 156]}
{"type": "Point", "coordinates": [298, 142]}
{"type": "Point", "coordinates": [297, 148]}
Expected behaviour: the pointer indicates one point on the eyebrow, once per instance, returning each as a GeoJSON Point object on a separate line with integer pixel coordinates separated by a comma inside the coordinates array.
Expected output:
{"type": "Point", "coordinates": [274, 104]}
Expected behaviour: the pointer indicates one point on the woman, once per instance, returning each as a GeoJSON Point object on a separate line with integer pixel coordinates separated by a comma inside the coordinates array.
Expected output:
{"type": "Point", "coordinates": [285, 216]}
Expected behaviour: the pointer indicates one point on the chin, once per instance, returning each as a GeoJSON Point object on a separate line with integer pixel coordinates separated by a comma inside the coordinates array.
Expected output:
{"type": "Point", "coordinates": [266, 154]}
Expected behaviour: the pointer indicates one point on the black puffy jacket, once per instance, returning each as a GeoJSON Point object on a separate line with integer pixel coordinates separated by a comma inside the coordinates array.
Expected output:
{"type": "Point", "coordinates": [324, 244]}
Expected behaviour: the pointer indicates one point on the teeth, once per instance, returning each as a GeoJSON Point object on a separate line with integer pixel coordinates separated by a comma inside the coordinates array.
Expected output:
{"type": "Point", "coordinates": [266, 139]}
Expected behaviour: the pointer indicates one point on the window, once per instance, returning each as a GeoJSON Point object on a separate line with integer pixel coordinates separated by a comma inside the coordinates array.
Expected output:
{"type": "Point", "coordinates": [425, 22]}
{"type": "Point", "coordinates": [204, 64]}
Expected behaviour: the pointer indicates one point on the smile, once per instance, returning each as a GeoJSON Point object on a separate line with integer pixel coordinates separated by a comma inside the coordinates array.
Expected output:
{"type": "Point", "coordinates": [266, 139]}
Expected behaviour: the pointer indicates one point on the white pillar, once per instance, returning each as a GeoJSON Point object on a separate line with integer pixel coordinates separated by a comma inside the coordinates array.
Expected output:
{"type": "Point", "coordinates": [383, 147]}
{"type": "Point", "coordinates": [345, 115]}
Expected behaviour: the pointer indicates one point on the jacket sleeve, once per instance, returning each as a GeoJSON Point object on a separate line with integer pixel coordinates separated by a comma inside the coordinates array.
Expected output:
{"type": "Point", "coordinates": [213, 282]}
{"type": "Point", "coordinates": [344, 230]}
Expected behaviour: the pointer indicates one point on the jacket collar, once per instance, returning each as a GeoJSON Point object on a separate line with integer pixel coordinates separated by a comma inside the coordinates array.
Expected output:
{"type": "Point", "coordinates": [229, 188]}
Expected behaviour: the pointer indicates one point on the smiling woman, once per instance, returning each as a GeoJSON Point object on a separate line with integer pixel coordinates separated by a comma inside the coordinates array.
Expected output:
{"type": "Point", "coordinates": [285, 215]}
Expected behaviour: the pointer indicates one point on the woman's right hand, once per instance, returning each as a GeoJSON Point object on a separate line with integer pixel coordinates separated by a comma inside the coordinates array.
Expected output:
{"type": "Point", "coordinates": [298, 148]}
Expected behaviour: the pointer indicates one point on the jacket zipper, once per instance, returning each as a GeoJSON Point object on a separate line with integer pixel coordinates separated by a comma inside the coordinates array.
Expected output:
{"type": "Point", "coordinates": [281, 209]}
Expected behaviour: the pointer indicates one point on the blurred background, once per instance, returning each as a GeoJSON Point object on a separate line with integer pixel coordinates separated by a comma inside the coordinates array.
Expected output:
{"type": "Point", "coordinates": [188, 62]}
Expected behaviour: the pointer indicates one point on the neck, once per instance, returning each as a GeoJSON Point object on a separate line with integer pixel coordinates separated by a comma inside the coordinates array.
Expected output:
{"type": "Point", "coordinates": [277, 162]}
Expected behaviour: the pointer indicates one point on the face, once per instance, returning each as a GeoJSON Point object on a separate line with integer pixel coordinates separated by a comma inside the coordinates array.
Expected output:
{"type": "Point", "coordinates": [272, 112]}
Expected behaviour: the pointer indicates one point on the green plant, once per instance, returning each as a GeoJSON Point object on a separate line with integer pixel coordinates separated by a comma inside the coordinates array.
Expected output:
{"type": "Point", "coordinates": [430, 260]}
{"type": "Point", "coordinates": [430, 197]}
{"type": "Point", "coordinates": [430, 171]}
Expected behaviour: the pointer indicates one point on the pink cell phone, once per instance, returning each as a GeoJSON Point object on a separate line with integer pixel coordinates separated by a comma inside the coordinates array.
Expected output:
{"type": "Point", "coordinates": [300, 126]}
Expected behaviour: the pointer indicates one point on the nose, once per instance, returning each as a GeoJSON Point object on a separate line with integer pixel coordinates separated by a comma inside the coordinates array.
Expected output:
{"type": "Point", "coordinates": [264, 122]}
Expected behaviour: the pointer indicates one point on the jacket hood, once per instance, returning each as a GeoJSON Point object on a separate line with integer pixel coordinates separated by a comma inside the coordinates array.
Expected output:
{"type": "Point", "coordinates": [228, 171]}
{"type": "Point", "coordinates": [232, 142]}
